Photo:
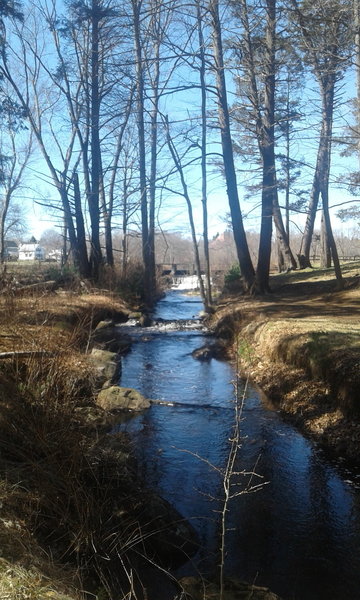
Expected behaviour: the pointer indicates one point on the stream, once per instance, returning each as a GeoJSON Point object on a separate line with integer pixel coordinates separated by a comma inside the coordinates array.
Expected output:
{"type": "Point", "coordinates": [299, 533]}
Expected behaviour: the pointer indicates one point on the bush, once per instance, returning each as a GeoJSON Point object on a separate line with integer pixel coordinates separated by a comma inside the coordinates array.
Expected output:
{"type": "Point", "coordinates": [233, 274]}
{"type": "Point", "coordinates": [131, 284]}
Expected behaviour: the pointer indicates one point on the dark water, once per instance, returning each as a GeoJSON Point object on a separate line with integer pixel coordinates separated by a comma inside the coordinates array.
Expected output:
{"type": "Point", "coordinates": [300, 533]}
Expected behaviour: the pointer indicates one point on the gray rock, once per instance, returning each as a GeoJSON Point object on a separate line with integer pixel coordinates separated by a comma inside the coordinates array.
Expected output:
{"type": "Point", "coordinates": [104, 325]}
{"type": "Point", "coordinates": [208, 352]}
{"type": "Point", "coordinates": [120, 398]}
{"type": "Point", "coordinates": [107, 336]}
{"type": "Point", "coordinates": [145, 320]}
{"type": "Point", "coordinates": [106, 364]}
{"type": "Point", "coordinates": [91, 416]}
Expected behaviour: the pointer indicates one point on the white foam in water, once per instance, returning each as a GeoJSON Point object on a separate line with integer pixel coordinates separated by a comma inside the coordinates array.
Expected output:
{"type": "Point", "coordinates": [188, 282]}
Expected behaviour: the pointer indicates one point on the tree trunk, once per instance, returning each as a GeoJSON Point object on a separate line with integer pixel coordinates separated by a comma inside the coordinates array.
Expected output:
{"type": "Point", "coordinates": [140, 109]}
{"type": "Point", "coordinates": [313, 203]}
{"type": "Point", "coordinates": [327, 72]}
{"type": "Point", "coordinates": [2, 225]}
{"type": "Point", "coordinates": [94, 198]}
{"type": "Point", "coordinates": [153, 161]}
{"type": "Point", "coordinates": [266, 141]}
{"type": "Point", "coordinates": [246, 266]}
{"type": "Point", "coordinates": [289, 259]}
{"type": "Point", "coordinates": [328, 93]}
{"type": "Point", "coordinates": [325, 254]}
{"type": "Point", "coordinates": [263, 264]}
{"type": "Point", "coordinates": [81, 249]}
{"type": "Point", "coordinates": [208, 297]}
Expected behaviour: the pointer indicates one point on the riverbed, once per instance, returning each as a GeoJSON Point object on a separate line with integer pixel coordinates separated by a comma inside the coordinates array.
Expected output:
{"type": "Point", "coordinates": [298, 532]}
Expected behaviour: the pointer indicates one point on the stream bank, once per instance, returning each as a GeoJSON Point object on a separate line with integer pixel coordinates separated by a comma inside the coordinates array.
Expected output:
{"type": "Point", "coordinates": [46, 322]}
{"type": "Point", "coordinates": [299, 533]}
{"type": "Point", "coordinates": [72, 509]}
{"type": "Point", "coordinates": [301, 346]}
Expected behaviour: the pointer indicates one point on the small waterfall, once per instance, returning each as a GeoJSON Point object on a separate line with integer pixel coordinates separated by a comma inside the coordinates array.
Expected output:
{"type": "Point", "coordinates": [185, 282]}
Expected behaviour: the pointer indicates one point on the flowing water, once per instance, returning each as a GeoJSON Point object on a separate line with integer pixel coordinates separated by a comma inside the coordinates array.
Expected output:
{"type": "Point", "coordinates": [299, 534]}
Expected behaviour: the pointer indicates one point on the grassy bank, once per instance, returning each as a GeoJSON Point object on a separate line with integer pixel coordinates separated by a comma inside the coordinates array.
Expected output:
{"type": "Point", "coordinates": [301, 345]}
{"type": "Point", "coordinates": [60, 485]}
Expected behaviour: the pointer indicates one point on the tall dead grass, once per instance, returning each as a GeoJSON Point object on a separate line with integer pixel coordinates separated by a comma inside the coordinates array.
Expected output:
{"type": "Point", "coordinates": [68, 485]}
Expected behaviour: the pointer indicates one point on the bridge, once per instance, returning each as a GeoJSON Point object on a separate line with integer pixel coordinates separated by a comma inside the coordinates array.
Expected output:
{"type": "Point", "coordinates": [176, 269]}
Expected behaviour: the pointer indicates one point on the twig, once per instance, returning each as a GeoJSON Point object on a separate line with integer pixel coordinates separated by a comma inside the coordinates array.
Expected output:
{"type": "Point", "coordinates": [26, 354]}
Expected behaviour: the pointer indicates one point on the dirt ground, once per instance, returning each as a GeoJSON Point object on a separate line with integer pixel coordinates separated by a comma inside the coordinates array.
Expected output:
{"type": "Point", "coordinates": [301, 345]}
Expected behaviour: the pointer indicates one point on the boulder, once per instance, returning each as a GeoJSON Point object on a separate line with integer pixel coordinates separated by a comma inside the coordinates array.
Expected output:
{"type": "Point", "coordinates": [106, 364]}
{"type": "Point", "coordinates": [145, 320]}
{"type": "Point", "coordinates": [107, 336]}
{"type": "Point", "coordinates": [208, 352]}
{"type": "Point", "coordinates": [116, 398]}
{"type": "Point", "coordinates": [103, 325]}
{"type": "Point", "coordinates": [91, 417]}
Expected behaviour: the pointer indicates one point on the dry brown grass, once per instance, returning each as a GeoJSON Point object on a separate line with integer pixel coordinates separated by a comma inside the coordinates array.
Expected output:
{"type": "Point", "coordinates": [301, 344]}
{"type": "Point", "coordinates": [26, 571]}
{"type": "Point", "coordinates": [56, 490]}
{"type": "Point", "coordinates": [53, 319]}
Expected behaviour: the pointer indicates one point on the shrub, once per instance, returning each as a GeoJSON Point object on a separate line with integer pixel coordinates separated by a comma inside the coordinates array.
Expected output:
{"type": "Point", "coordinates": [233, 274]}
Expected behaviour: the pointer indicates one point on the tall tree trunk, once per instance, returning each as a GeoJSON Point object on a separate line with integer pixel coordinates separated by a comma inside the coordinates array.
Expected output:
{"type": "Point", "coordinates": [69, 224]}
{"type": "Point", "coordinates": [264, 255]}
{"type": "Point", "coordinates": [325, 253]}
{"type": "Point", "coordinates": [146, 249]}
{"type": "Point", "coordinates": [328, 93]}
{"type": "Point", "coordinates": [81, 250]}
{"type": "Point", "coordinates": [327, 73]}
{"type": "Point", "coordinates": [2, 225]}
{"type": "Point", "coordinates": [94, 197]}
{"type": "Point", "coordinates": [264, 116]}
{"type": "Point", "coordinates": [208, 297]}
{"type": "Point", "coordinates": [266, 141]}
{"type": "Point", "coordinates": [246, 266]}
{"type": "Point", "coordinates": [314, 201]}
{"type": "Point", "coordinates": [287, 162]}
{"type": "Point", "coordinates": [106, 209]}
{"type": "Point", "coordinates": [153, 151]}
{"type": "Point", "coordinates": [268, 130]}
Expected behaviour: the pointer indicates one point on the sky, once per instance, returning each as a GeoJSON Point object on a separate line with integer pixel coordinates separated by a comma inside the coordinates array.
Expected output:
{"type": "Point", "coordinates": [174, 212]}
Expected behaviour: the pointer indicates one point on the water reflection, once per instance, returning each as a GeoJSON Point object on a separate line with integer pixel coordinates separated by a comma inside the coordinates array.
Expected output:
{"type": "Point", "coordinates": [300, 534]}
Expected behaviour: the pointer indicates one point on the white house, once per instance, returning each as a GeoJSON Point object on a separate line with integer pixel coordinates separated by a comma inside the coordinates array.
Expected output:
{"type": "Point", "coordinates": [31, 251]}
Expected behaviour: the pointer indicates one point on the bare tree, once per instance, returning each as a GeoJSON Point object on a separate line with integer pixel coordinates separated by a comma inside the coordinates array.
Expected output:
{"type": "Point", "coordinates": [200, 14]}
{"type": "Point", "coordinates": [15, 155]}
{"type": "Point", "coordinates": [246, 266]}
{"type": "Point", "coordinates": [185, 194]}
{"type": "Point", "coordinates": [256, 54]}
{"type": "Point", "coordinates": [325, 39]}
{"type": "Point", "coordinates": [22, 66]}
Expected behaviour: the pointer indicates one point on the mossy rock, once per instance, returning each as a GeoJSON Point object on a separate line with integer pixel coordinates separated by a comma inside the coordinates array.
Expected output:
{"type": "Point", "coordinates": [120, 398]}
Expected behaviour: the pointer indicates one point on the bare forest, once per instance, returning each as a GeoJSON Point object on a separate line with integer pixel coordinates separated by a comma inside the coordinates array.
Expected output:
{"type": "Point", "coordinates": [122, 119]}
